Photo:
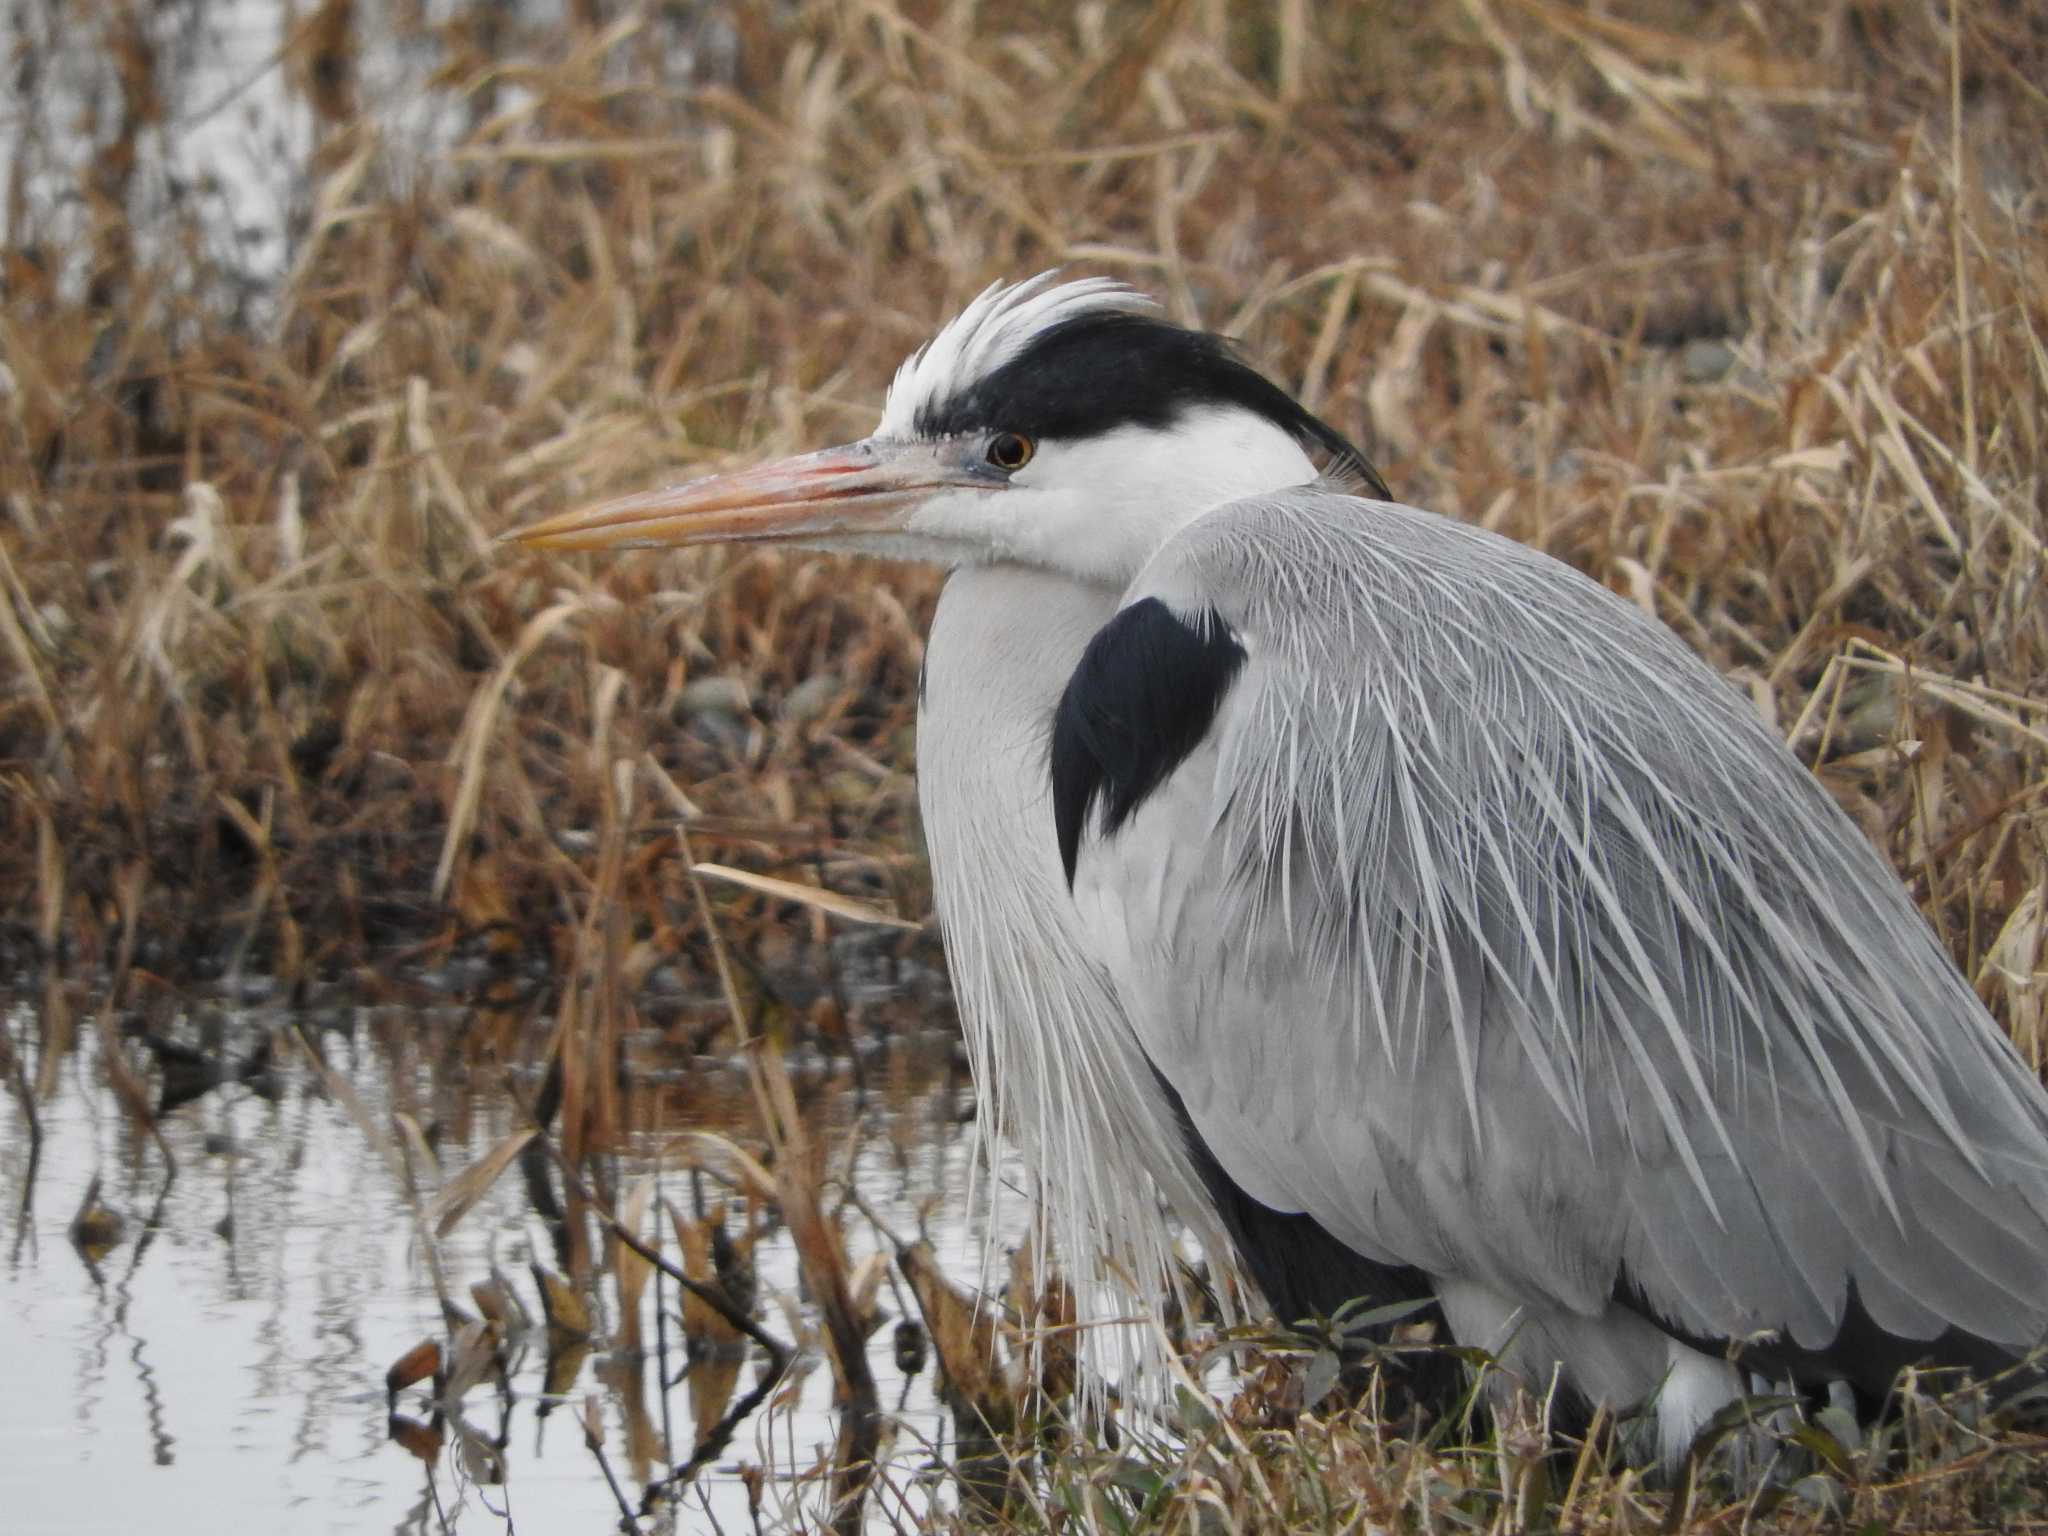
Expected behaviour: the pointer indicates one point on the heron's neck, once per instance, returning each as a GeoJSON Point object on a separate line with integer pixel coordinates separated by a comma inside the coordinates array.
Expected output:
{"type": "Point", "coordinates": [1003, 643]}
{"type": "Point", "coordinates": [1046, 1037]}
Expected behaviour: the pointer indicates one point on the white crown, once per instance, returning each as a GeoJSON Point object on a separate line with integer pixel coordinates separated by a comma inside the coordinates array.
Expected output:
{"type": "Point", "coordinates": [990, 332]}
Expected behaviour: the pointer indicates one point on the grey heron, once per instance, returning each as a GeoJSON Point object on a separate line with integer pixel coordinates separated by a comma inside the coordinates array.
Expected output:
{"type": "Point", "coordinates": [1407, 909]}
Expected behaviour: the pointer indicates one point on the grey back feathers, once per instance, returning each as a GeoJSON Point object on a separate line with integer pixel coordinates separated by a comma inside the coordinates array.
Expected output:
{"type": "Point", "coordinates": [1489, 928]}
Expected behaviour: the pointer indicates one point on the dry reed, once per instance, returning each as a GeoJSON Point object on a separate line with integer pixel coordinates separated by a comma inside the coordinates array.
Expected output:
{"type": "Point", "coordinates": [1742, 309]}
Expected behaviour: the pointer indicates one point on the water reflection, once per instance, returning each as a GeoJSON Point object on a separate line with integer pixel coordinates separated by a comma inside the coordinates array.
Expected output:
{"type": "Point", "coordinates": [214, 1343]}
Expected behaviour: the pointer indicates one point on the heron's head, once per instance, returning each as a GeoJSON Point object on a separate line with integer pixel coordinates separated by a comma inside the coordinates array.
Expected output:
{"type": "Point", "coordinates": [1065, 426]}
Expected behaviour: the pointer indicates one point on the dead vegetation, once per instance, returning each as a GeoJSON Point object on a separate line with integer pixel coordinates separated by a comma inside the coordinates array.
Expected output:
{"type": "Point", "coordinates": [1742, 309]}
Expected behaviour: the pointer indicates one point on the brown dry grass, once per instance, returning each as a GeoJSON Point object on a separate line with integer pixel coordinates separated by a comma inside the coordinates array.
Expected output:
{"type": "Point", "coordinates": [1743, 309]}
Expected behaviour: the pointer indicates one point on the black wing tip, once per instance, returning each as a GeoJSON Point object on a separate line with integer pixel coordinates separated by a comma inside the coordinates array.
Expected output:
{"type": "Point", "coordinates": [1304, 1271]}
{"type": "Point", "coordinates": [1863, 1353]}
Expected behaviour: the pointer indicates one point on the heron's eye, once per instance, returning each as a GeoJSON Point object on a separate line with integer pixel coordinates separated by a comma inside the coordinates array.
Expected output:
{"type": "Point", "coordinates": [1010, 451]}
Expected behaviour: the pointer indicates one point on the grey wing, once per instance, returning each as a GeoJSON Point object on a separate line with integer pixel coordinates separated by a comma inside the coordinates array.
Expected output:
{"type": "Point", "coordinates": [1485, 925]}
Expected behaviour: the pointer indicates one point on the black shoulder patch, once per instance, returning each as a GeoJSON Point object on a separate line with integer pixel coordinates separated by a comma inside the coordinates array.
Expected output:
{"type": "Point", "coordinates": [1143, 697]}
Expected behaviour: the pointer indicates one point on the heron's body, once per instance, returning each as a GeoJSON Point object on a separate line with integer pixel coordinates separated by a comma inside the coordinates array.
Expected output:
{"type": "Point", "coordinates": [1643, 1053]}
{"type": "Point", "coordinates": [1407, 908]}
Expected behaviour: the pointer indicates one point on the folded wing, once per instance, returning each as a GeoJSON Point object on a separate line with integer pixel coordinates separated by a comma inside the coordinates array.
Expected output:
{"type": "Point", "coordinates": [1480, 922]}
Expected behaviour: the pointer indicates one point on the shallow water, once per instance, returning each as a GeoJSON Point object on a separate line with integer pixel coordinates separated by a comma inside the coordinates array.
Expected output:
{"type": "Point", "coordinates": [224, 1360]}
{"type": "Point", "coordinates": [203, 1369]}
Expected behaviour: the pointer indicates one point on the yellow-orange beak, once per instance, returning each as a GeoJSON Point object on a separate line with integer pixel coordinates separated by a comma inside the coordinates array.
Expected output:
{"type": "Point", "coordinates": [861, 489]}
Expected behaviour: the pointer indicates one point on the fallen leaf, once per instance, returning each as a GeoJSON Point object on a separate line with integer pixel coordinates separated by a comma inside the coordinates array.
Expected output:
{"type": "Point", "coordinates": [416, 1364]}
